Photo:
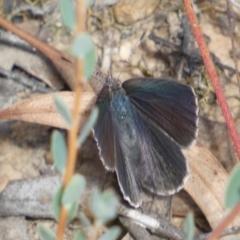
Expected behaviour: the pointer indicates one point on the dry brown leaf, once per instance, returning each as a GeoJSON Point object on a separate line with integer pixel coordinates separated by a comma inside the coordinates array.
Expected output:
{"type": "Point", "coordinates": [41, 109]}
{"type": "Point", "coordinates": [207, 183]}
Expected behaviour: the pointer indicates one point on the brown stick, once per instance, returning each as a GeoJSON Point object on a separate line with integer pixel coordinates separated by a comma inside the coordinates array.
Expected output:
{"type": "Point", "coordinates": [63, 63]}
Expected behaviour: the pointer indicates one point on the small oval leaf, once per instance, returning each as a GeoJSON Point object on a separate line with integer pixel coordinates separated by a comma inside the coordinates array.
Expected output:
{"type": "Point", "coordinates": [103, 206]}
{"type": "Point", "coordinates": [46, 233]}
{"type": "Point", "coordinates": [72, 213]}
{"type": "Point", "coordinates": [82, 46]}
{"type": "Point", "coordinates": [90, 2]}
{"type": "Point", "coordinates": [85, 221]}
{"type": "Point", "coordinates": [59, 151]}
{"type": "Point", "coordinates": [79, 235]}
{"type": "Point", "coordinates": [112, 234]}
{"type": "Point", "coordinates": [88, 126]}
{"type": "Point", "coordinates": [232, 195]}
{"type": "Point", "coordinates": [56, 203]}
{"type": "Point", "coordinates": [63, 109]}
{"type": "Point", "coordinates": [90, 64]}
{"type": "Point", "coordinates": [68, 13]}
{"type": "Point", "coordinates": [189, 226]}
{"type": "Point", "coordinates": [74, 190]}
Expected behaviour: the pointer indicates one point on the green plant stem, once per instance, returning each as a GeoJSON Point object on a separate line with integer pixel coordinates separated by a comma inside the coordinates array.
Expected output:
{"type": "Point", "coordinates": [73, 132]}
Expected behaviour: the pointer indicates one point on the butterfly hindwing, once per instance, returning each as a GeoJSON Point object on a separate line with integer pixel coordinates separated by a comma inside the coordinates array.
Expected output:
{"type": "Point", "coordinates": [163, 166]}
{"type": "Point", "coordinates": [127, 176]}
{"type": "Point", "coordinates": [167, 106]}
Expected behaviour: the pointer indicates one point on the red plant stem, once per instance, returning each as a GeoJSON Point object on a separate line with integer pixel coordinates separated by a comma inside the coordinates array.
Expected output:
{"type": "Point", "coordinates": [223, 225]}
{"type": "Point", "coordinates": [213, 76]}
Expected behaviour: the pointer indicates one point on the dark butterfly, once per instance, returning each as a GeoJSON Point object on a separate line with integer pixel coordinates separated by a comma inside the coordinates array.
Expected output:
{"type": "Point", "coordinates": [139, 131]}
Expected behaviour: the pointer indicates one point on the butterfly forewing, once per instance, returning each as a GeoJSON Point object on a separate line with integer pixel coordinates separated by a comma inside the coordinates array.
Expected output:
{"type": "Point", "coordinates": [116, 136]}
{"type": "Point", "coordinates": [167, 105]}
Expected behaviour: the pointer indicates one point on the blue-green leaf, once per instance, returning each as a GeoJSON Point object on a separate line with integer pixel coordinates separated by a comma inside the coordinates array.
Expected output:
{"type": "Point", "coordinates": [103, 206]}
{"type": "Point", "coordinates": [46, 233]}
{"type": "Point", "coordinates": [74, 190]}
{"type": "Point", "coordinates": [59, 151]}
{"type": "Point", "coordinates": [56, 203]}
{"type": "Point", "coordinates": [85, 221]}
{"type": "Point", "coordinates": [112, 234]}
{"type": "Point", "coordinates": [189, 226]}
{"type": "Point", "coordinates": [82, 46]}
{"type": "Point", "coordinates": [72, 213]}
{"type": "Point", "coordinates": [90, 64]}
{"type": "Point", "coordinates": [88, 126]}
{"type": "Point", "coordinates": [79, 235]}
{"type": "Point", "coordinates": [232, 195]}
{"type": "Point", "coordinates": [68, 13]}
{"type": "Point", "coordinates": [63, 109]}
{"type": "Point", "coordinates": [90, 2]}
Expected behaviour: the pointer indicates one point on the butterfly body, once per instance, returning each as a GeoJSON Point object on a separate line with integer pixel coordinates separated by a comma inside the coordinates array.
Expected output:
{"type": "Point", "coordinates": [139, 131]}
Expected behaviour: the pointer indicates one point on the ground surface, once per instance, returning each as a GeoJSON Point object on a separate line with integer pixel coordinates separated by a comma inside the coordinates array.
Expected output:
{"type": "Point", "coordinates": [24, 147]}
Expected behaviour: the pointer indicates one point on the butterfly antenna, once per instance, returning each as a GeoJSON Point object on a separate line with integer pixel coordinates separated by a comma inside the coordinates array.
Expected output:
{"type": "Point", "coordinates": [131, 54]}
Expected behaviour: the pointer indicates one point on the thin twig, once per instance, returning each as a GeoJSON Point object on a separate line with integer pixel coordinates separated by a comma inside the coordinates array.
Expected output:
{"type": "Point", "coordinates": [72, 134]}
{"type": "Point", "coordinates": [162, 227]}
{"type": "Point", "coordinates": [159, 227]}
{"type": "Point", "coordinates": [135, 230]}
{"type": "Point", "coordinates": [213, 76]}
{"type": "Point", "coordinates": [227, 232]}
{"type": "Point", "coordinates": [222, 102]}
{"type": "Point", "coordinates": [223, 225]}
{"type": "Point", "coordinates": [61, 61]}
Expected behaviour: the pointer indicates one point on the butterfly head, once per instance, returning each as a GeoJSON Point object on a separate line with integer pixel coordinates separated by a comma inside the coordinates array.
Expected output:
{"type": "Point", "coordinates": [113, 83]}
